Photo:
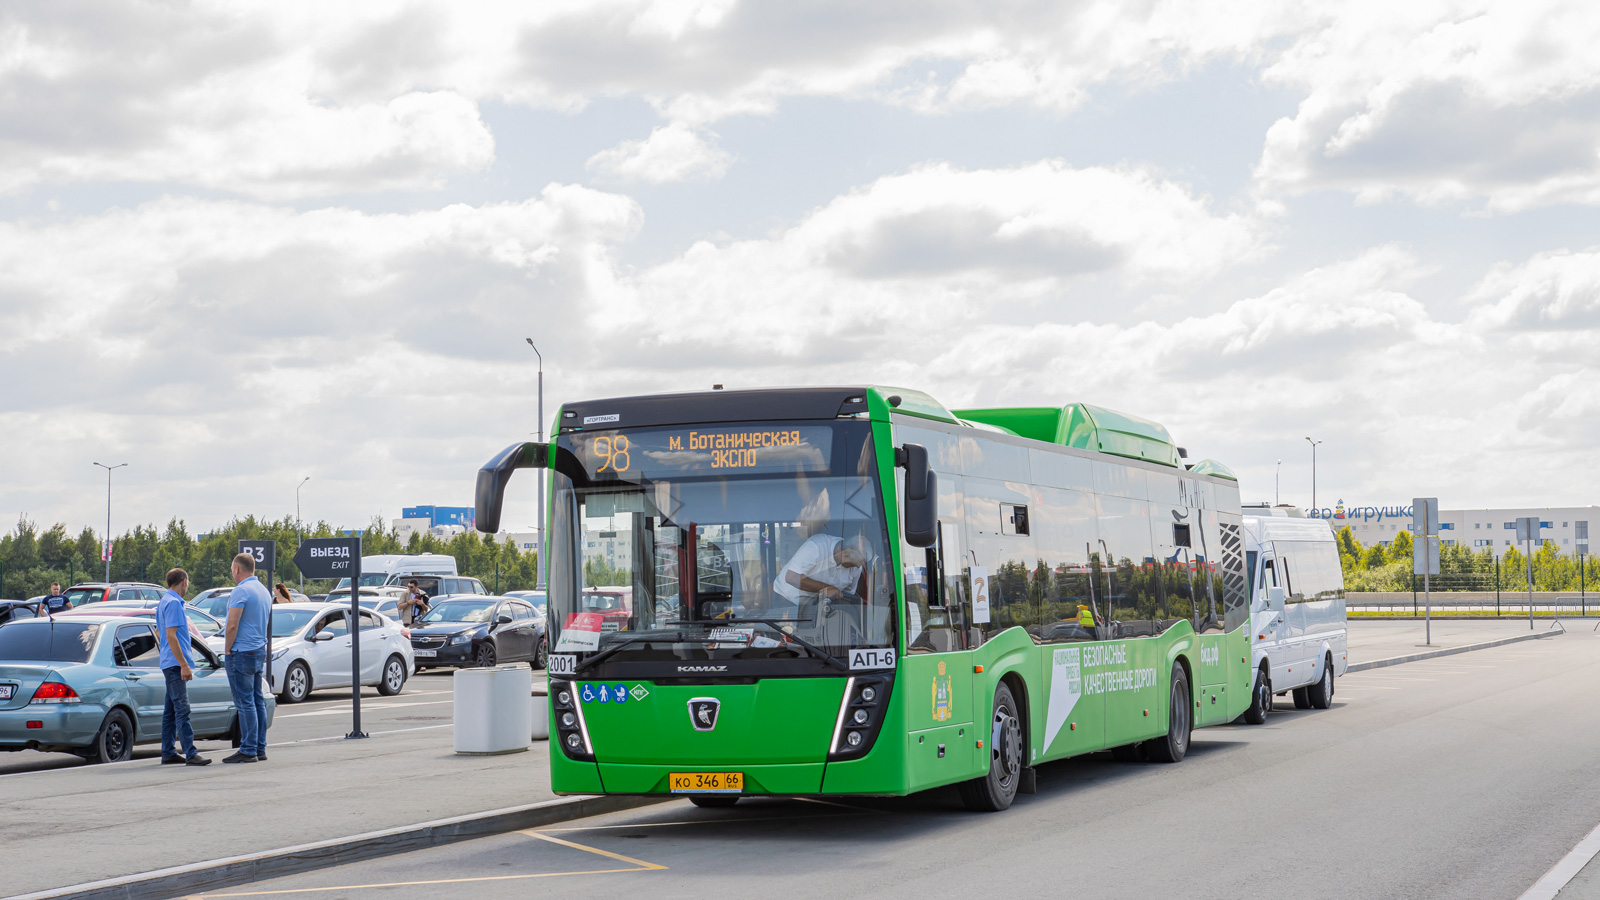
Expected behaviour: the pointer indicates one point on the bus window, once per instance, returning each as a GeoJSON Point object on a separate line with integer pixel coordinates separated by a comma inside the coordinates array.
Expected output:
{"type": "Point", "coordinates": [1250, 572]}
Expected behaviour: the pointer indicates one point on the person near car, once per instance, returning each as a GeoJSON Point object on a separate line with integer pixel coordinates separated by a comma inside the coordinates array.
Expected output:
{"type": "Point", "coordinates": [280, 594]}
{"type": "Point", "coordinates": [172, 632]}
{"type": "Point", "coordinates": [245, 642]}
{"type": "Point", "coordinates": [413, 605]}
{"type": "Point", "coordinates": [55, 601]}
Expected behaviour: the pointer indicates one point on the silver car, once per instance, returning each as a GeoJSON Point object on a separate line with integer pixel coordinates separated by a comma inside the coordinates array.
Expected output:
{"type": "Point", "coordinates": [311, 647]}
{"type": "Point", "coordinates": [92, 685]}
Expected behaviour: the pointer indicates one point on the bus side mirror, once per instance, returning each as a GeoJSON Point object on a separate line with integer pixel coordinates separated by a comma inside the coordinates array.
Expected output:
{"type": "Point", "coordinates": [1275, 598]}
{"type": "Point", "coordinates": [922, 496]}
{"type": "Point", "coordinates": [492, 478]}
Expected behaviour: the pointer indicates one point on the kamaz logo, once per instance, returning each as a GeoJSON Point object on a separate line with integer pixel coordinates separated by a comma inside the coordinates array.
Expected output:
{"type": "Point", "coordinates": [702, 668]}
{"type": "Point", "coordinates": [1210, 655]}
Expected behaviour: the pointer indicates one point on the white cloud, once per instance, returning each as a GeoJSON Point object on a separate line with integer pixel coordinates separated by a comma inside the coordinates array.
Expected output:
{"type": "Point", "coordinates": [671, 153]}
{"type": "Point", "coordinates": [1491, 103]}
{"type": "Point", "coordinates": [221, 348]}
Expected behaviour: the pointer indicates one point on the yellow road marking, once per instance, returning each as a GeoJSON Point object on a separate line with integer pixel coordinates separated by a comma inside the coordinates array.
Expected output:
{"type": "Point", "coordinates": [607, 853]}
{"type": "Point", "coordinates": [639, 866]}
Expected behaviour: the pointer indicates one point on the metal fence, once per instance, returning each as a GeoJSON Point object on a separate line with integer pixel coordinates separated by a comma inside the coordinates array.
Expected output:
{"type": "Point", "coordinates": [1473, 604]}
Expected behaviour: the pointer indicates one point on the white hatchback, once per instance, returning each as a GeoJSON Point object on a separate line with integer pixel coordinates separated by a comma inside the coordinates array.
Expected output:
{"type": "Point", "coordinates": [311, 646]}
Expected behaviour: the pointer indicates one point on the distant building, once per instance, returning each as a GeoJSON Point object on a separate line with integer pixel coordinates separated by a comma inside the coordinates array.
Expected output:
{"type": "Point", "coordinates": [1477, 529]}
{"type": "Point", "coordinates": [440, 515]}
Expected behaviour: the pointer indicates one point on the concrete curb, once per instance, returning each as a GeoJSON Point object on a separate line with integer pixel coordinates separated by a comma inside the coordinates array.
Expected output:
{"type": "Point", "coordinates": [233, 871]}
{"type": "Point", "coordinates": [1448, 651]}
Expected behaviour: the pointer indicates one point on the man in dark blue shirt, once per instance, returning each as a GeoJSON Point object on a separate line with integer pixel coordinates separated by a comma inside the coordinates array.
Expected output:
{"type": "Point", "coordinates": [172, 633]}
{"type": "Point", "coordinates": [56, 601]}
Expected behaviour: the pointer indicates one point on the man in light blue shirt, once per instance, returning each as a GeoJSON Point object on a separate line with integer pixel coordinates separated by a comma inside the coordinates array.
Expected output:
{"type": "Point", "coordinates": [246, 643]}
{"type": "Point", "coordinates": [172, 631]}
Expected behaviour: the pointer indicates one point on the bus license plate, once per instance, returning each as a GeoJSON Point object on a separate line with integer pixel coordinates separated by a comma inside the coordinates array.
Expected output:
{"type": "Point", "coordinates": [706, 782]}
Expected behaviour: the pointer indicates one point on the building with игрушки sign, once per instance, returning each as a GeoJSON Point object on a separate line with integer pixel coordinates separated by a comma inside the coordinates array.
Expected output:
{"type": "Point", "coordinates": [1476, 529]}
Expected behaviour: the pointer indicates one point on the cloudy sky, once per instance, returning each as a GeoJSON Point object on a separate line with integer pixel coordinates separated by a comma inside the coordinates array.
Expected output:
{"type": "Point", "coordinates": [245, 243]}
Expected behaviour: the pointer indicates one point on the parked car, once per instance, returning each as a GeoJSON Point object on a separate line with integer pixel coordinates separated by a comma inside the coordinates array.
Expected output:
{"type": "Point", "coordinates": [342, 595]}
{"type": "Point", "coordinates": [92, 685]}
{"type": "Point", "coordinates": [103, 592]}
{"type": "Point", "coordinates": [437, 586]}
{"type": "Point", "coordinates": [311, 650]}
{"type": "Point", "coordinates": [536, 598]}
{"type": "Point", "coordinates": [615, 606]}
{"type": "Point", "coordinates": [201, 624]}
{"type": "Point", "coordinates": [11, 610]}
{"type": "Point", "coordinates": [479, 631]}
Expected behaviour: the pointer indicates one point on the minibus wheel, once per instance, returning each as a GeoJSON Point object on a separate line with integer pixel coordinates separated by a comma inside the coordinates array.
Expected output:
{"type": "Point", "coordinates": [1260, 700]}
{"type": "Point", "coordinates": [1321, 693]}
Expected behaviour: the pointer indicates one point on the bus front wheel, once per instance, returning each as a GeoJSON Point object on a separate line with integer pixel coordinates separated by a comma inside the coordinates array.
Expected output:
{"type": "Point", "coordinates": [1180, 723]}
{"type": "Point", "coordinates": [995, 791]}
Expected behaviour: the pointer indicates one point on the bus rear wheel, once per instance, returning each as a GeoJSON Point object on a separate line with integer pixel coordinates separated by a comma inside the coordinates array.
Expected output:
{"type": "Point", "coordinates": [994, 791]}
{"type": "Point", "coordinates": [1260, 700]}
{"type": "Point", "coordinates": [1180, 723]}
{"type": "Point", "coordinates": [713, 801]}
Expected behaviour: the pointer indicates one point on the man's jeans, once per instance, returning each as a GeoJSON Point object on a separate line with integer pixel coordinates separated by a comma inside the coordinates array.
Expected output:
{"type": "Point", "coordinates": [175, 716]}
{"type": "Point", "coordinates": [244, 679]}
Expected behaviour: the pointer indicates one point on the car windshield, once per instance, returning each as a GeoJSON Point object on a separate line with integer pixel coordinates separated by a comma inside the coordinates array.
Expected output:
{"type": "Point", "coordinates": [288, 621]}
{"type": "Point", "coordinates": [460, 611]}
{"type": "Point", "coordinates": [47, 642]}
{"type": "Point", "coordinates": [674, 531]}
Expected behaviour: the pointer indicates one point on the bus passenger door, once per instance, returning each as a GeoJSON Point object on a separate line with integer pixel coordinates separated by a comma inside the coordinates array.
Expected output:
{"type": "Point", "coordinates": [937, 671]}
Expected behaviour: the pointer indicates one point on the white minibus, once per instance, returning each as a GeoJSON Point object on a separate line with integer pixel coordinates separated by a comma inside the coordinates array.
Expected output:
{"type": "Point", "coordinates": [1297, 612]}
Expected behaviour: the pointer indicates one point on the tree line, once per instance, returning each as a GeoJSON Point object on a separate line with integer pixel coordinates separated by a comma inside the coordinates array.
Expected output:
{"type": "Point", "coordinates": [31, 557]}
{"type": "Point", "coordinates": [1376, 567]}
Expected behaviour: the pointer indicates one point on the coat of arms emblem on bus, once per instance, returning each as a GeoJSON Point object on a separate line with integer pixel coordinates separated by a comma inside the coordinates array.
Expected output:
{"type": "Point", "coordinates": [941, 696]}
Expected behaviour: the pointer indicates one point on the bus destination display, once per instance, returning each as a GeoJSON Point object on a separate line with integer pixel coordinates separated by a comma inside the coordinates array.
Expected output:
{"type": "Point", "coordinates": [663, 452]}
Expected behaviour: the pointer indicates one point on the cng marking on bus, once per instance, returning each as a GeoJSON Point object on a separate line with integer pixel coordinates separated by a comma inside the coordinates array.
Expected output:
{"type": "Point", "coordinates": [639, 692]}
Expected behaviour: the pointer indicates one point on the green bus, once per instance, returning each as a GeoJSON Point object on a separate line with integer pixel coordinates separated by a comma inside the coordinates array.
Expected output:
{"type": "Point", "coordinates": [855, 590]}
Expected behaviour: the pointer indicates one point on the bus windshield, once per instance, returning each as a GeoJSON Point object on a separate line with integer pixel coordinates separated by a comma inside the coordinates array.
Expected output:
{"type": "Point", "coordinates": [676, 541]}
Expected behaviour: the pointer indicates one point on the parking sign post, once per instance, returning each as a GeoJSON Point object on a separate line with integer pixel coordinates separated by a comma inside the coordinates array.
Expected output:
{"type": "Point", "coordinates": [1425, 553]}
{"type": "Point", "coordinates": [265, 553]}
{"type": "Point", "coordinates": [340, 558]}
{"type": "Point", "coordinates": [1528, 535]}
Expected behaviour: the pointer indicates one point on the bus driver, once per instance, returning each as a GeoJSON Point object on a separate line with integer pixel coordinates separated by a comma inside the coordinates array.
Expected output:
{"type": "Point", "coordinates": [824, 566]}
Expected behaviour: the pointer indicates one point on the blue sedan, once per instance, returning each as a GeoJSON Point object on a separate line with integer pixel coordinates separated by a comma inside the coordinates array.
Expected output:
{"type": "Point", "coordinates": [92, 685]}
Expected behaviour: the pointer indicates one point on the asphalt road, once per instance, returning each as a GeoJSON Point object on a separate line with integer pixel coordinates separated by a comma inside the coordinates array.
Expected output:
{"type": "Point", "coordinates": [425, 702]}
{"type": "Point", "coordinates": [1462, 777]}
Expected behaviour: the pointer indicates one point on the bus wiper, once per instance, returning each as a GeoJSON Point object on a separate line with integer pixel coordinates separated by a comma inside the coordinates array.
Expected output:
{"type": "Point", "coordinates": [816, 651]}
{"type": "Point", "coordinates": [607, 653]}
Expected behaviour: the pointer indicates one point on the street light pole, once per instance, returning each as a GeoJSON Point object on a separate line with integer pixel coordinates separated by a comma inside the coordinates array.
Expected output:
{"type": "Point", "coordinates": [539, 571]}
{"type": "Point", "coordinates": [1277, 480]}
{"type": "Point", "coordinates": [299, 530]}
{"type": "Point", "coordinates": [106, 550]}
{"type": "Point", "coordinates": [1313, 471]}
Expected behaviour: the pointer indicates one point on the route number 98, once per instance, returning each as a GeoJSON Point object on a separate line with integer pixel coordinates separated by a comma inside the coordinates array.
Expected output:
{"type": "Point", "coordinates": [615, 452]}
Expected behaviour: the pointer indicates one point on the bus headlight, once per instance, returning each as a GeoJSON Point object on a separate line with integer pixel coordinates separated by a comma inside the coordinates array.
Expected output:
{"type": "Point", "coordinates": [574, 742]}
{"type": "Point", "coordinates": [869, 694]}
{"type": "Point", "coordinates": [853, 739]}
{"type": "Point", "coordinates": [860, 717]}
{"type": "Point", "coordinates": [856, 729]}
{"type": "Point", "coordinates": [568, 720]}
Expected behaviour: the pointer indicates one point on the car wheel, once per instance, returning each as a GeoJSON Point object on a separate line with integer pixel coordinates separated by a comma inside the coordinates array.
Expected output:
{"type": "Point", "coordinates": [1320, 695]}
{"type": "Point", "coordinates": [1180, 723]}
{"type": "Point", "coordinates": [486, 655]}
{"type": "Point", "coordinates": [296, 682]}
{"type": "Point", "coordinates": [540, 655]}
{"type": "Point", "coordinates": [995, 790]}
{"type": "Point", "coordinates": [394, 677]}
{"type": "Point", "coordinates": [1302, 698]}
{"type": "Point", "coordinates": [713, 801]}
{"type": "Point", "coordinates": [1260, 701]}
{"type": "Point", "coordinates": [114, 743]}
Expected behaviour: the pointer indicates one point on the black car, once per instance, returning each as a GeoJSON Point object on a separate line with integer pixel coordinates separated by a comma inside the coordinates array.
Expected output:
{"type": "Point", "coordinates": [11, 610]}
{"type": "Point", "coordinates": [478, 631]}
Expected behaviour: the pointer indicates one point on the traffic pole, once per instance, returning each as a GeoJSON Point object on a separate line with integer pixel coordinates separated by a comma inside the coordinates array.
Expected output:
{"type": "Point", "coordinates": [355, 648]}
